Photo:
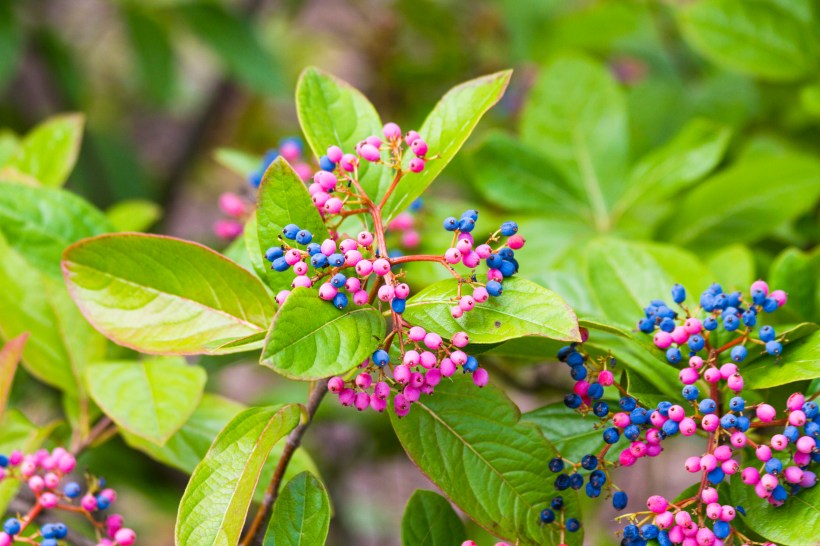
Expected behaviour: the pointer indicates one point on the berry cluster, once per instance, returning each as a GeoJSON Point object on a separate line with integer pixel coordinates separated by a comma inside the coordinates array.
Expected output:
{"type": "Point", "coordinates": [548, 515]}
{"type": "Point", "coordinates": [237, 207]}
{"type": "Point", "coordinates": [364, 269]}
{"type": "Point", "coordinates": [724, 416]}
{"type": "Point", "coordinates": [46, 474]}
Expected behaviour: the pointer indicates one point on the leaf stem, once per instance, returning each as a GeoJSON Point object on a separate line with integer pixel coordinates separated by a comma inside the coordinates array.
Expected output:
{"type": "Point", "coordinates": [256, 531]}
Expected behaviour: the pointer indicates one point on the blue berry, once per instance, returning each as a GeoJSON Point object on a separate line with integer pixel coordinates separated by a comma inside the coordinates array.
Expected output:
{"type": "Point", "coordinates": [619, 500]}
{"type": "Point", "coordinates": [780, 494]}
{"type": "Point", "coordinates": [596, 390]}
{"type": "Point", "coordinates": [494, 261]}
{"type": "Point", "coordinates": [47, 531]}
{"type": "Point", "coordinates": [758, 296]}
{"type": "Point", "coordinates": [639, 416]}
{"type": "Point", "coordinates": [728, 421]}
{"type": "Point", "coordinates": [710, 323]}
{"type": "Point", "coordinates": [451, 223]}
{"type": "Point", "coordinates": [290, 231]}
{"type": "Point", "coordinates": [707, 301]}
{"type": "Point", "coordinates": [557, 502]}
{"type": "Point", "coordinates": [72, 490]}
{"type": "Point", "coordinates": [733, 298]}
{"type": "Point", "coordinates": [255, 178]}
{"type": "Point", "coordinates": [730, 323]}
{"type": "Point", "coordinates": [547, 516]}
{"type": "Point", "coordinates": [60, 530]}
{"type": "Point", "coordinates": [274, 252]}
{"type": "Point", "coordinates": [507, 268]}
{"type": "Point", "coordinates": [340, 300]}
{"type": "Point", "coordinates": [589, 462]}
{"type": "Point", "coordinates": [575, 359]}
{"type": "Point", "coordinates": [673, 355]}
{"type": "Point", "coordinates": [313, 248]}
{"type": "Point", "coordinates": [103, 502]}
{"type": "Point", "coordinates": [509, 228]}
{"type": "Point", "coordinates": [665, 312]}
{"type": "Point", "coordinates": [506, 253]}
{"type": "Point", "coordinates": [578, 373]}
{"type": "Point", "coordinates": [696, 343]}
{"type": "Point", "coordinates": [601, 409]}
{"type": "Point", "coordinates": [737, 403]}
{"type": "Point", "coordinates": [611, 435]}
{"type": "Point", "coordinates": [556, 464]}
{"type": "Point", "coordinates": [663, 539]}
{"type": "Point", "coordinates": [564, 352]}
{"type": "Point", "coordinates": [631, 532]}
{"type": "Point", "coordinates": [471, 365]}
{"type": "Point", "coordinates": [326, 164]}
{"type": "Point", "coordinates": [627, 403]}
{"type": "Point", "coordinates": [650, 531]}
{"type": "Point", "coordinates": [381, 358]}
{"type": "Point", "coordinates": [792, 433]}
{"type": "Point", "coordinates": [774, 466]}
{"type": "Point", "coordinates": [739, 353]}
{"type": "Point", "coordinates": [670, 427]}
{"type": "Point", "coordinates": [471, 214]}
{"type": "Point", "coordinates": [667, 325]}
{"type": "Point", "coordinates": [592, 491]}
{"type": "Point", "coordinates": [494, 288]}
{"type": "Point", "coordinates": [576, 481]}
{"type": "Point", "coordinates": [416, 205]}
{"type": "Point", "coordinates": [49, 542]}
{"type": "Point", "coordinates": [4, 461]}
{"type": "Point", "coordinates": [561, 482]}
{"type": "Point", "coordinates": [663, 408]}
{"type": "Point", "coordinates": [766, 333]}
{"type": "Point", "coordinates": [646, 325]}
{"type": "Point", "coordinates": [749, 318]}
{"type": "Point", "coordinates": [597, 478]}
{"type": "Point", "coordinates": [632, 432]}
{"type": "Point", "coordinates": [770, 305]}
{"type": "Point", "coordinates": [12, 526]}
{"type": "Point", "coordinates": [707, 406]}
{"type": "Point", "coordinates": [338, 280]}
{"type": "Point", "coordinates": [811, 410]}
{"type": "Point", "coordinates": [573, 525]}
{"type": "Point", "coordinates": [280, 265]}
{"type": "Point", "coordinates": [466, 225]}
{"type": "Point", "coordinates": [690, 392]}
{"type": "Point", "coordinates": [716, 476]}
{"type": "Point", "coordinates": [721, 529]}
{"type": "Point", "coordinates": [774, 347]}
{"type": "Point", "coordinates": [678, 293]}
{"type": "Point", "coordinates": [318, 261]}
{"type": "Point", "coordinates": [743, 423]}
{"type": "Point", "coordinates": [398, 305]}
{"type": "Point", "coordinates": [573, 401]}
{"type": "Point", "coordinates": [336, 260]}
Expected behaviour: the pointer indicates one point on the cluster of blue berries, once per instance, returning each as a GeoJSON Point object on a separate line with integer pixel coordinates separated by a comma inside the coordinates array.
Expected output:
{"type": "Point", "coordinates": [548, 516]}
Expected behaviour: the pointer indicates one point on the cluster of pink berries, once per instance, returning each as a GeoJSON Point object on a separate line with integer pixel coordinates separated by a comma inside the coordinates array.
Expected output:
{"type": "Point", "coordinates": [404, 228]}
{"type": "Point", "coordinates": [45, 473]}
{"type": "Point", "coordinates": [425, 359]}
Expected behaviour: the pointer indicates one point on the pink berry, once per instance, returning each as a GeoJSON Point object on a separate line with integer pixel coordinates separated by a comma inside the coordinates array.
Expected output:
{"type": "Point", "coordinates": [735, 382]}
{"type": "Point", "coordinates": [335, 384]}
{"type": "Point", "coordinates": [692, 326]}
{"type": "Point", "coordinates": [364, 380]}
{"type": "Point", "coordinates": [760, 285]}
{"type": "Point", "coordinates": [411, 394]}
{"type": "Point", "coordinates": [360, 297]}
{"type": "Point", "coordinates": [391, 131]}
{"type": "Point", "coordinates": [456, 312]}
{"type": "Point", "coordinates": [688, 427]}
{"type": "Point", "coordinates": [232, 205]}
{"type": "Point", "coordinates": [334, 153]}
{"type": "Point", "coordinates": [36, 484]}
{"type": "Point", "coordinates": [319, 199]}
{"type": "Point", "coordinates": [381, 390]}
{"type": "Point", "coordinates": [402, 291]}
{"type": "Point", "coordinates": [452, 256]}
{"type": "Point", "coordinates": [417, 333]}
{"type": "Point", "coordinates": [723, 453]}
{"type": "Point", "coordinates": [228, 229]}
{"type": "Point", "coordinates": [377, 403]}
{"type": "Point", "coordinates": [125, 537]}
{"type": "Point", "coordinates": [763, 453]}
{"type": "Point", "coordinates": [89, 503]}
{"type": "Point", "coordinates": [766, 413]}
{"type": "Point", "coordinates": [793, 474]}
{"type": "Point", "coordinates": [677, 413]}
{"type": "Point", "coordinates": [483, 251]}
{"type": "Point", "coordinates": [626, 458]}
{"type": "Point", "coordinates": [727, 370]}
{"type": "Point", "coordinates": [606, 378]}
{"type": "Point", "coordinates": [369, 152]}
{"type": "Point", "coordinates": [386, 293]}
{"type": "Point", "coordinates": [480, 377]}
{"type": "Point", "coordinates": [349, 162]}
{"type": "Point", "coordinates": [381, 267]}
{"type": "Point", "coordinates": [419, 147]}
{"type": "Point", "coordinates": [780, 297]}
{"type": "Point", "coordinates": [662, 340]}
{"type": "Point", "coordinates": [805, 444]}
{"type": "Point", "coordinates": [333, 205]}
{"type": "Point", "coordinates": [689, 376]}
{"type": "Point", "coordinates": [708, 462]}
{"type": "Point", "coordinates": [327, 291]}
{"type": "Point", "coordinates": [364, 268]}
{"type": "Point", "coordinates": [365, 238]}
{"type": "Point", "coordinates": [447, 367]}
{"type": "Point", "coordinates": [692, 464]}
{"type": "Point", "coordinates": [710, 422]}
{"type": "Point", "coordinates": [738, 439]}
{"type": "Point", "coordinates": [679, 335]}
{"type": "Point", "coordinates": [696, 362]}
{"type": "Point", "coordinates": [410, 137]}
{"type": "Point", "coordinates": [712, 375]}
{"type": "Point", "coordinates": [416, 165]}
{"type": "Point", "coordinates": [48, 500]}
{"type": "Point", "coordinates": [779, 442]}
{"type": "Point", "coordinates": [433, 341]}
{"type": "Point", "coordinates": [281, 296]}
{"type": "Point", "coordinates": [5, 540]}
{"type": "Point", "coordinates": [467, 303]}
{"type": "Point", "coordinates": [362, 401]}
{"type": "Point", "coordinates": [515, 242]}
{"type": "Point", "coordinates": [797, 418]}
{"type": "Point", "coordinates": [664, 520]}
{"type": "Point", "coordinates": [750, 475]}
{"type": "Point", "coordinates": [428, 359]}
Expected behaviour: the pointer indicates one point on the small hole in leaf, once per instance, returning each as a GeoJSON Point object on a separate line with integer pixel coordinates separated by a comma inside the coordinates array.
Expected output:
{"type": "Point", "coordinates": [498, 324]}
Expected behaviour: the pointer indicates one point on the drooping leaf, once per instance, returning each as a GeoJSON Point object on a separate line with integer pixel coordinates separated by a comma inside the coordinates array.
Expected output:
{"type": "Point", "coordinates": [133, 215]}
{"type": "Point", "coordinates": [523, 309]}
{"type": "Point", "coordinates": [310, 339]}
{"type": "Point", "coordinates": [61, 342]}
{"type": "Point", "coordinates": [301, 515]}
{"type": "Point", "coordinates": [531, 183]}
{"type": "Point", "coordinates": [188, 446]}
{"type": "Point", "coordinates": [800, 360]}
{"type": "Point", "coordinates": [765, 38]}
{"type": "Point", "coordinates": [745, 202]}
{"type": "Point", "coordinates": [733, 267]}
{"type": "Point", "coordinates": [283, 200]}
{"type": "Point", "coordinates": [49, 151]}
{"type": "Point", "coordinates": [572, 435]}
{"type": "Point", "coordinates": [576, 116]}
{"type": "Point", "coordinates": [41, 222]}
{"type": "Point", "coordinates": [151, 398]}
{"type": "Point", "coordinates": [429, 520]}
{"type": "Point", "coordinates": [445, 130]}
{"type": "Point", "coordinates": [17, 432]}
{"type": "Point", "coordinates": [163, 295]}
{"type": "Point", "coordinates": [471, 444]}
{"type": "Point", "coordinates": [219, 493]}
{"type": "Point", "coordinates": [796, 523]}
{"type": "Point", "coordinates": [688, 157]}
{"type": "Point", "coordinates": [10, 355]}
{"type": "Point", "coordinates": [153, 53]}
{"type": "Point", "coordinates": [625, 276]}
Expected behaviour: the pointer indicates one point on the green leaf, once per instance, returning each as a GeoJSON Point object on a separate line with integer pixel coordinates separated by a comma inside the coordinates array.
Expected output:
{"type": "Point", "coordinates": [301, 515]}
{"type": "Point", "coordinates": [151, 399]}
{"type": "Point", "coordinates": [61, 341]}
{"type": "Point", "coordinates": [41, 222]}
{"type": "Point", "coordinates": [733, 267]}
{"type": "Point", "coordinates": [576, 116]}
{"type": "Point", "coordinates": [625, 276]}
{"type": "Point", "coordinates": [470, 443]}
{"type": "Point", "coordinates": [310, 339]}
{"type": "Point", "coordinates": [572, 434]}
{"type": "Point", "coordinates": [796, 523]}
{"type": "Point", "coordinates": [188, 446]}
{"type": "Point", "coordinates": [153, 53]}
{"type": "Point", "coordinates": [524, 309]}
{"type": "Point", "coordinates": [283, 200]}
{"type": "Point", "coordinates": [133, 215]}
{"type": "Point", "coordinates": [8, 144]}
{"type": "Point", "coordinates": [445, 130]}
{"type": "Point", "coordinates": [334, 113]}
{"type": "Point", "coordinates": [241, 163]}
{"type": "Point", "coordinates": [234, 40]}
{"type": "Point", "coordinates": [799, 361]}
{"type": "Point", "coordinates": [531, 183]}
{"type": "Point", "coordinates": [692, 154]}
{"type": "Point", "coordinates": [49, 151]}
{"type": "Point", "coordinates": [797, 272]}
{"type": "Point", "coordinates": [765, 38]}
{"type": "Point", "coordinates": [17, 432]}
{"type": "Point", "coordinates": [219, 493]}
{"type": "Point", "coordinates": [163, 295]}
{"type": "Point", "coordinates": [429, 520]}
{"type": "Point", "coordinates": [751, 205]}
{"type": "Point", "coordinates": [10, 354]}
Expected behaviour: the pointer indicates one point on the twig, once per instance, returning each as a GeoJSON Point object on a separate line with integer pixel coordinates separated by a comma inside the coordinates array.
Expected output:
{"type": "Point", "coordinates": [256, 531]}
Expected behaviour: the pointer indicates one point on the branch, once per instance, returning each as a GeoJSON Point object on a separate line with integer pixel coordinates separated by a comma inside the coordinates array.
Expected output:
{"type": "Point", "coordinates": [256, 531]}
{"type": "Point", "coordinates": [22, 505]}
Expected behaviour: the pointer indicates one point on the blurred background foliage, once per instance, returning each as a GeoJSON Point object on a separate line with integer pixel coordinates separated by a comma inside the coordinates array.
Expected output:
{"type": "Point", "coordinates": [642, 142]}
